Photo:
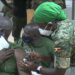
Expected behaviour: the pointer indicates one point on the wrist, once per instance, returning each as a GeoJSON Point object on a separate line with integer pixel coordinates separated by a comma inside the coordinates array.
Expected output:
{"type": "Point", "coordinates": [38, 69]}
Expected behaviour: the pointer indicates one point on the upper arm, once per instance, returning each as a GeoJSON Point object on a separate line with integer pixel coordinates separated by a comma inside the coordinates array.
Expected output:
{"type": "Point", "coordinates": [20, 54]}
{"type": "Point", "coordinates": [62, 41]}
{"type": "Point", "coordinates": [62, 56]}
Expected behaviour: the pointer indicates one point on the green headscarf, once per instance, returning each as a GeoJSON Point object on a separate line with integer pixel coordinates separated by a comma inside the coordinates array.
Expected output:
{"type": "Point", "coordinates": [48, 11]}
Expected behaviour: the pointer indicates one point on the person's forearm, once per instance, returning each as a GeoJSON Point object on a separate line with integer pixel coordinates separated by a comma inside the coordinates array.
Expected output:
{"type": "Point", "coordinates": [52, 71]}
{"type": "Point", "coordinates": [5, 3]}
{"type": "Point", "coordinates": [19, 55]}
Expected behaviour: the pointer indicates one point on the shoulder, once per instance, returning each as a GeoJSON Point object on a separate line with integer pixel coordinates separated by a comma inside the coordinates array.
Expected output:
{"type": "Point", "coordinates": [64, 29]}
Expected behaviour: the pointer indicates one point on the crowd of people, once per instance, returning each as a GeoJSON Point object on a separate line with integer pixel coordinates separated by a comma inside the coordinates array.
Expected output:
{"type": "Point", "coordinates": [47, 43]}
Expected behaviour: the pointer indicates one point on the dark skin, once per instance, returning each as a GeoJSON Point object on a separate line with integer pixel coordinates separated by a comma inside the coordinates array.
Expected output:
{"type": "Point", "coordinates": [6, 32]}
{"type": "Point", "coordinates": [50, 26]}
{"type": "Point", "coordinates": [20, 54]}
{"type": "Point", "coordinates": [29, 65]}
{"type": "Point", "coordinates": [6, 54]}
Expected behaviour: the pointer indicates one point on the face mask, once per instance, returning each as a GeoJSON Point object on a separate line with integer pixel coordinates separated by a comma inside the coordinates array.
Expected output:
{"type": "Point", "coordinates": [3, 43]}
{"type": "Point", "coordinates": [45, 32]}
{"type": "Point", "coordinates": [27, 39]}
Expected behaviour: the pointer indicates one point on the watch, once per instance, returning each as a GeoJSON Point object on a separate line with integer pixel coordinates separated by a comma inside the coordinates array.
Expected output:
{"type": "Point", "coordinates": [38, 69]}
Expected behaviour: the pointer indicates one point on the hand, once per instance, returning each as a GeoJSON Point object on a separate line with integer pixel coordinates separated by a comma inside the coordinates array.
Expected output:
{"type": "Point", "coordinates": [5, 54]}
{"type": "Point", "coordinates": [35, 56]}
{"type": "Point", "coordinates": [27, 66]}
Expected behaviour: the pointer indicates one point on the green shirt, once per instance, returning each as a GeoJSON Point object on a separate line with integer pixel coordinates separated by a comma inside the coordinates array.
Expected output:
{"type": "Point", "coordinates": [8, 67]}
{"type": "Point", "coordinates": [45, 47]}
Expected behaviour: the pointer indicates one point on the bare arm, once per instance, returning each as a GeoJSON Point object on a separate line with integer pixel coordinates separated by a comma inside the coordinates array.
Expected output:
{"type": "Point", "coordinates": [54, 71]}
{"type": "Point", "coordinates": [19, 54]}
{"type": "Point", "coordinates": [43, 70]}
{"type": "Point", "coordinates": [6, 54]}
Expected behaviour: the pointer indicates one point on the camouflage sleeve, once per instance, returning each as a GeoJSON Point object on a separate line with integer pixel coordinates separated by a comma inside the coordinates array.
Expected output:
{"type": "Point", "coordinates": [62, 56]}
{"type": "Point", "coordinates": [62, 45]}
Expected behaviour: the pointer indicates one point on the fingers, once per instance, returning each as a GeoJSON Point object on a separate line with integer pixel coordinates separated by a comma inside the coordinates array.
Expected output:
{"type": "Point", "coordinates": [8, 52]}
{"type": "Point", "coordinates": [8, 56]}
{"type": "Point", "coordinates": [23, 64]}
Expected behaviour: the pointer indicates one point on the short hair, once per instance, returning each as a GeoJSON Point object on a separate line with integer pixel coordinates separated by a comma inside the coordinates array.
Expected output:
{"type": "Point", "coordinates": [5, 23]}
{"type": "Point", "coordinates": [32, 28]}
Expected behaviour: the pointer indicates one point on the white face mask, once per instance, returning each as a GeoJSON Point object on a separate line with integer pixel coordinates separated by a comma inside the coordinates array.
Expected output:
{"type": "Point", "coordinates": [3, 43]}
{"type": "Point", "coordinates": [45, 32]}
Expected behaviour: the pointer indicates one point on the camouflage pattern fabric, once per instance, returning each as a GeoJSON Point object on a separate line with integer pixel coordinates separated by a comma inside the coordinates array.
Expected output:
{"type": "Point", "coordinates": [35, 3]}
{"type": "Point", "coordinates": [64, 37]}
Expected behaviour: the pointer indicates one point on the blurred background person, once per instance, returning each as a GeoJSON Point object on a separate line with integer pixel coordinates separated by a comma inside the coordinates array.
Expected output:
{"type": "Point", "coordinates": [7, 59]}
{"type": "Point", "coordinates": [19, 16]}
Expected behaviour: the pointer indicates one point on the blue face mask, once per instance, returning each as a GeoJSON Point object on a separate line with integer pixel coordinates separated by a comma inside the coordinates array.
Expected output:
{"type": "Point", "coordinates": [27, 39]}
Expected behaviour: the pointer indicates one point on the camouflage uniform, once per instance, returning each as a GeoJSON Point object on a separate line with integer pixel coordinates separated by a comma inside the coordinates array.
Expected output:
{"type": "Point", "coordinates": [64, 37]}
{"type": "Point", "coordinates": [35, 3]}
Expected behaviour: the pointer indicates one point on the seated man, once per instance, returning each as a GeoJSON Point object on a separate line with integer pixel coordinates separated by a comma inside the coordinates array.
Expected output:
{"type": "Point", "coordinates": [7, 59]}
{"type": "Point", "coordinates": [41, 53]}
